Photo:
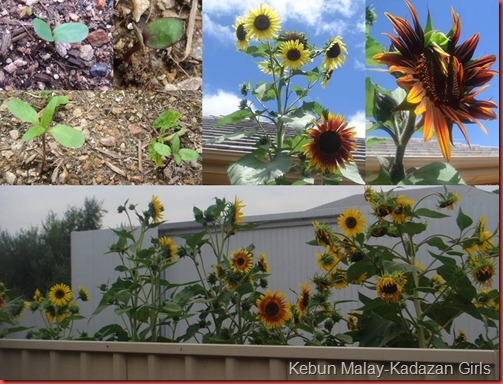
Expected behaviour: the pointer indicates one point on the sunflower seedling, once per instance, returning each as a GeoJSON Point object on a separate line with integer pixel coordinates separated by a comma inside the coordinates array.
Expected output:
{"type": "Point", "coordinates": [166, 125]}
{"type": "Point", "coordinates": [157, 34]}
{"type": "Point", "coordinates": [66, 33]}
{"type": "Point", "coordinates": [63, 134]}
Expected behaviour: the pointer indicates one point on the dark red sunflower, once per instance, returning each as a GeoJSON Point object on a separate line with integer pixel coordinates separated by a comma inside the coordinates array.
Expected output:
{"type": "Point", "coordinates": [331, 143]}
{"type": "Point", "coordinates": [441, 80]}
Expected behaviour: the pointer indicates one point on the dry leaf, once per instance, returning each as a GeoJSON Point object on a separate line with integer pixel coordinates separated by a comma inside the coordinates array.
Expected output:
{"type": "Point", "coordinates": [139, 7]}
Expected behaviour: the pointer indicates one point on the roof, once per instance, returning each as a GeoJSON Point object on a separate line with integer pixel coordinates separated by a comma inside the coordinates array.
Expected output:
{"type": "Point", "coordinates": [245, 144]}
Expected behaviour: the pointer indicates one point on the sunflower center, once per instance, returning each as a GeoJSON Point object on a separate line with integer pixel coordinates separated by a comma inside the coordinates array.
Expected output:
{"type": "Point", "coordinates": [351, 222]}
{"type": "Point", "coordinates": [334, 51]}
{"type": "Point", "coordinates": [439, 77]}
{"type": "Point", "coordinates": [271, 309]}
{"type": "Point", "coordinates": [484, 274]}
{"type": "Point", "coordinates": [293, 54]}
{"type": "Point", "coordinates": [305, 300]}
{"type": "Point", "coordinates": [59, 294]}
{"type": "Point", "coordinates": [330, 142]}
{"type": "Point", "coordinates": [390, 288]}
{"type": "Point", "coordinates": [262, 23]}
{"type": "Point", "coordinates": [240, 261]}
{"type": "Point", "coordinates": [241, 33]}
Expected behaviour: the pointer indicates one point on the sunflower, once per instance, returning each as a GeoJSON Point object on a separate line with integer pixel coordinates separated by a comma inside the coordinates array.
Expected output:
{"type": "Point", "coordinates": [266, 67]}
{"type": "Point", "coordinates": [240, 33]}
{"type": "Point", "coordinates": [304, 299]}
{"type": "Point", "coordinates": [168, 249]}
{"type": "Point", "coordinates": [485, 299]}
{"type": "Point", "coordinates": [53, 315]}
{"type": "Point", "coordinates": [262, 263]}
{"type": "Point", "coordinates": [236, 214]}
{"type": "Point", "coordinates": [155, 209]}
{"type": "Point", "coordinates": [330, 144]}
{"type": "Point", "coordinates": [339, 280]}
{"type": "Point", "coordinates": [352, 323]}
{"type": "Point", "coordinates": [401, 209]}
{"type": "Point", "coordinates": [241, 260]}
{"type": "Point", "coordinates": [437, 283]}
{"type": "Point", "coordinates": [461, 338]}
{"type": "Point", "coordinates": [360, 279]}
{"type": "Point", "coordinates": [370, 194]}
{"type": "Point", "coordinates": [351, 222]}
{"type": "Point", "coordinates": [262, 23]}
{"type": "Point", "coordinates": [322, 283]}
{"type": "Point", "coordinates": [449, 200]}
{"type": "Point", "coordinates": [483, 271]}
{"type": "Point", "coordinates": [293, 54]}
{"type": "Point", "coordinates": [327, 261]}
{"type": "Point", "coordinates": [83, 295]}
{"type": "Point", "coordinates": [60, 295]}
{"type": "Point", "coordinates": [323, 235]}
{"type": "Point", "coordinates": [273, 309]}
{"type": "Point", "coordinates": [389, 289]}
{"type": "Point", "coordinates": [37, 296]}
{"type": "Point", "coordinates": [440, 77]}
{"type": "Point", "coordinates": [334, 54]}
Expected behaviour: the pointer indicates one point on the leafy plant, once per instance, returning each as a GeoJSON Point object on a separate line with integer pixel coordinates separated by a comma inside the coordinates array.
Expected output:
{"type": "Point", "coordinates": [63, 134]}
{"type": "Point", "coordinates": [157, 34]}
{"type": "Point", "coordinates": [167, 129]}
{"type": "Point", "coordinates": [66, 33]}
{"type": "Point", "coordinates": [10, 311]}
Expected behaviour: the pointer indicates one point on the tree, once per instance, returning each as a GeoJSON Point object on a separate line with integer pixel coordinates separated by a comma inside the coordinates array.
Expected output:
{"type": "Point", "coordinates": [39, 258]}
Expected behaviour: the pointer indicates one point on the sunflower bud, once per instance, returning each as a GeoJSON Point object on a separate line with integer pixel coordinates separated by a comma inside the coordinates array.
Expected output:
{"type": "Point", "coordinates": [383, 106]}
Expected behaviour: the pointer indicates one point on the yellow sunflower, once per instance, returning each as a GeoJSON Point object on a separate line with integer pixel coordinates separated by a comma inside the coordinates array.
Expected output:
{"type": "Point", "coordinates": [242, 41]}
{"type": "Point", "coordinates": [168, 249]}
{"type": "Point", "coordinates": [273, 310]}
{"type": "Point", "coordinates": [60, 294]}
{"type": "Point", "coordinates": [483, 271]}
{"type": "Point", "coordinates": [401, 209]}
{"type": "Point", "coordinates": [266, 67]}
{"type": "Point", "coordinates": [339, 280]}
{"type": "Point", "coordinates": [262, 263]}
{"type": "Point", "coordinates": [293, 54]}
{"type": "Point", "coordinates": [262, 23]}
{"type": "Point", "coordinates": [449, 200]}
{"type": "Point", "coordinates": [330, 143]}
{"type": "Point", "coordinates": [304, 298]}
{"type": "Point", "coordinates": [37, 296]}
{"type": "Point", "coordinates": [389, 289]}
{"type": "Point", "coordinates": [360, 279]}
{"type": "Point", "coordinates": [334, 54]}
{"type": "Point", "coordinates": [241, 260]}
{"type": "Point", "coordinates": [351, 222]}
{"type": "Point", "coordinates": [155, 209]}
{"type": "Point", "coordinates": [237, 214]}
{"type": "Point", "coordinates": [323, 235]}
{"type": "Point", "coordinates": [352, 323]}
{"type": "Point", "coordinates": [83, 295]}
{"type": "Point", "coordinates": [327, 261]}
{"type": "Point", "coordinates": [440, 76]}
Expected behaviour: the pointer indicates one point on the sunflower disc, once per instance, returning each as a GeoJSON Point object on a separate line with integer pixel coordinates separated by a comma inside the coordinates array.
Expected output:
{"type": "Point", "coordinates": [162, 33]}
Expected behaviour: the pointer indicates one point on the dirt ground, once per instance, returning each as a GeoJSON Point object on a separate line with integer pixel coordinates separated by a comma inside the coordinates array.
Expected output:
{"type": "Point", "coordinates": [27, 62]}
{"type": "Point", "coordinates": [174, 68]}
{"type": "Point", "coordinates": [117, 126]}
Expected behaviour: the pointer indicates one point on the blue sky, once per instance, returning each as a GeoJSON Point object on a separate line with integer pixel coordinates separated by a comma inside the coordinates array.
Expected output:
{"type": "Point", "coordinates": [225, 68]}
{"type": "Point", "coordinates": [476, 16]}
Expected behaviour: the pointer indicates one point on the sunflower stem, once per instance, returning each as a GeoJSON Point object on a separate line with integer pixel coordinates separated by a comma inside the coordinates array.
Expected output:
{"type": "Point", "coordinates": [397, 171]}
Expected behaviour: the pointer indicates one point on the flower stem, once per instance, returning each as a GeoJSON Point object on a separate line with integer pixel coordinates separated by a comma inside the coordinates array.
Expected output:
{"type": "Point", "coordinates": [397, 172]}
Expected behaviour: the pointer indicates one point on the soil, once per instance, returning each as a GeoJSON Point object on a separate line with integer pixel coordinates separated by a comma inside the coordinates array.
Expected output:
{"type": "Point", "coordinates": [117, 126]}
{"type": "Point", "coordinates": [174, 68]}
{"type": "Point", "coordinates": [27, 62]}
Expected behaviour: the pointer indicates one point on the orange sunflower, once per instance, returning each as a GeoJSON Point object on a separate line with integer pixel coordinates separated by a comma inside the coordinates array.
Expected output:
{"type": "Point", "coordinates": [304, 299]}
{"type": "Point", "coordinates": [273, 310]}
{"type": "Point", "coordinates": [242, 260]}
{"type": "Point", "coordinates": [330, 144]}
{"type": "Point", "coordinates": [441, 78]}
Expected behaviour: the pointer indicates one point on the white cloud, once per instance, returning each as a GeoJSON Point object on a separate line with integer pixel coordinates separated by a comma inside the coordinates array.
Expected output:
{"type": "Point", "coordinates": [358, 121]}
{"type": "Point", "coordinates": [220, 103]}
{"type": "Point", "coordinates": [359, 65]}
{"type": "Point", "coordinates": [218, 31]}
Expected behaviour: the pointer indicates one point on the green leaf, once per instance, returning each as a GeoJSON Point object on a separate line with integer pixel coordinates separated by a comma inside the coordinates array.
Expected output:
{"type": "Point", "coordinates": [48, 111]}
{"type": "Point", "coordinates": [178, 158]}
{"type": "Point", "coordinates": [34, 131]}
{"type": "Point", "coordinates": [188, 154]}
{"type": "Point", "coordinates": [171, 309]}
{"type": "Point", "coordinates": [413, 228]}
{"type": "Point", "coordinates": [312, 76]}
{"type": "Point", "coordinates": [433, 174]}
{"type": "Point", "coordinates": [234, 117]}
{"type": "Point", "coordinates": [67, 136]}
{"type": "Point", "coordinates": [313, 106]}
{"type": "Point", "coordinates": [264, 92]}
{"type": "Point", "coordinates": [298, 120]}
{"type": "Point", "coordinates": [167, 119]}
{"type": "Point", "coordinates": [162, 149]}
{"type": "Point", "coordinates": [351, 173]}
{"type": "Point", "coordinates": [43, 30]}
{"type": "Point", "coordinates": [358, 269]}
{"type": "Point", "coordinates": [70, 32]}
{"type": "Point", "coordinates": [438, 243]}
{"type": "Point", "coordinates": [256, 50]}
{"type": "Point", "coordinates": [23, 111]}
{"type": "Point", "coordinates": [463, 221]}
{"type": "Point", "coordinates": [175, 144]}
{"type": "Point", "coordinates": [372, 47]}
{"type": "Point", "coordinates": [370, 141]}
{"type": "Point", "coordinates": [250, 170]}
{"type": "Point", "coordinates": [425, 212]}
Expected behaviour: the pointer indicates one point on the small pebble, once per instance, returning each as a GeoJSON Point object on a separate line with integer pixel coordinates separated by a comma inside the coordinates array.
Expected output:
{"type": "Point", "coordinates": [56, 76]}
{"type": "Point", "coordinates": [10, 178]}
{"type": "Point", "coordinates": [108, 141]}
{"type": "Point", "coordinates": [14, 134]}
{"type": "Point", "coordinates": [11, 68]}
{"type": "Point", "coordinates": [86, 52]}
{"type": "Point", "coordinates": [99, 70]}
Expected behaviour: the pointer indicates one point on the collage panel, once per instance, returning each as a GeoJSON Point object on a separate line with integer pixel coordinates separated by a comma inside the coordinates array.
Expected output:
{"type": "Point", "coordinates": [283, 100]}
{"type": "Point", "coordinates": [56, 45]}
{"type": "Point", "coordinates": [158, 45]}
{"type": "Point", "coordinates": [432, 93]}
{"type": "Point", "coordinates": [100, 138]}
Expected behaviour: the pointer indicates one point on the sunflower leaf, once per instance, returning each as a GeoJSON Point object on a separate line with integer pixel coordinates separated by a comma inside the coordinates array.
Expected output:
{"type": "Point", "coordinates": [372, 47]}
{"type": "Point", "coordinates": [463, 221]}
{"type": "Point", "coordinates": [351, 173]}
{"type": "Point", "coordinates": [372, 140]}
{"type": "Point", "coordinates": [433, 174]}
{"type": "Point", "coordinates": [250, 170]}
{"type": "Point", "coordinates": [234, 117]}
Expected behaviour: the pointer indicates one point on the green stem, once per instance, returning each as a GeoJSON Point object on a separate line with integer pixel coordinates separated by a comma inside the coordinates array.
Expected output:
{"type": "Point", "coordinates": [397, 172]}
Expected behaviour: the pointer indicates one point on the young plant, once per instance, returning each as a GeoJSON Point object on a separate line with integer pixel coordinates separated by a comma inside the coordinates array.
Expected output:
{"type": "Point", "coordinates": [166, 125]}
{"type": "Point", "coordinates": [66, 33]}
{"type": "Point", "coordinates": [10, 311]}
{"type": "Point", "coordinates": [157, 34]}
{"type": "Point", "coordinates": [63, 134]}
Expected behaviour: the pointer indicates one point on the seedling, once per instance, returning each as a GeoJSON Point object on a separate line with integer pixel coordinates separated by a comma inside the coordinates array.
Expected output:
{"type": "Point", "coordinates": [157, 34]}
{"type": "Point", "coordinates": [166, 125]}
{"type": "Point", "coordinates": [63, 134]}
{"type": "Point", "coordinates": [66, 33]}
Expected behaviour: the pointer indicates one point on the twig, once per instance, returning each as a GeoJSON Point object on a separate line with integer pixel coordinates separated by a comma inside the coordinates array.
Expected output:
{"type": "Point", "coordinates": [140, 160]}
{"type": "Point", "coordinates": [190, 28]}
{"type": "Point", "coordinates": [115, 169]}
